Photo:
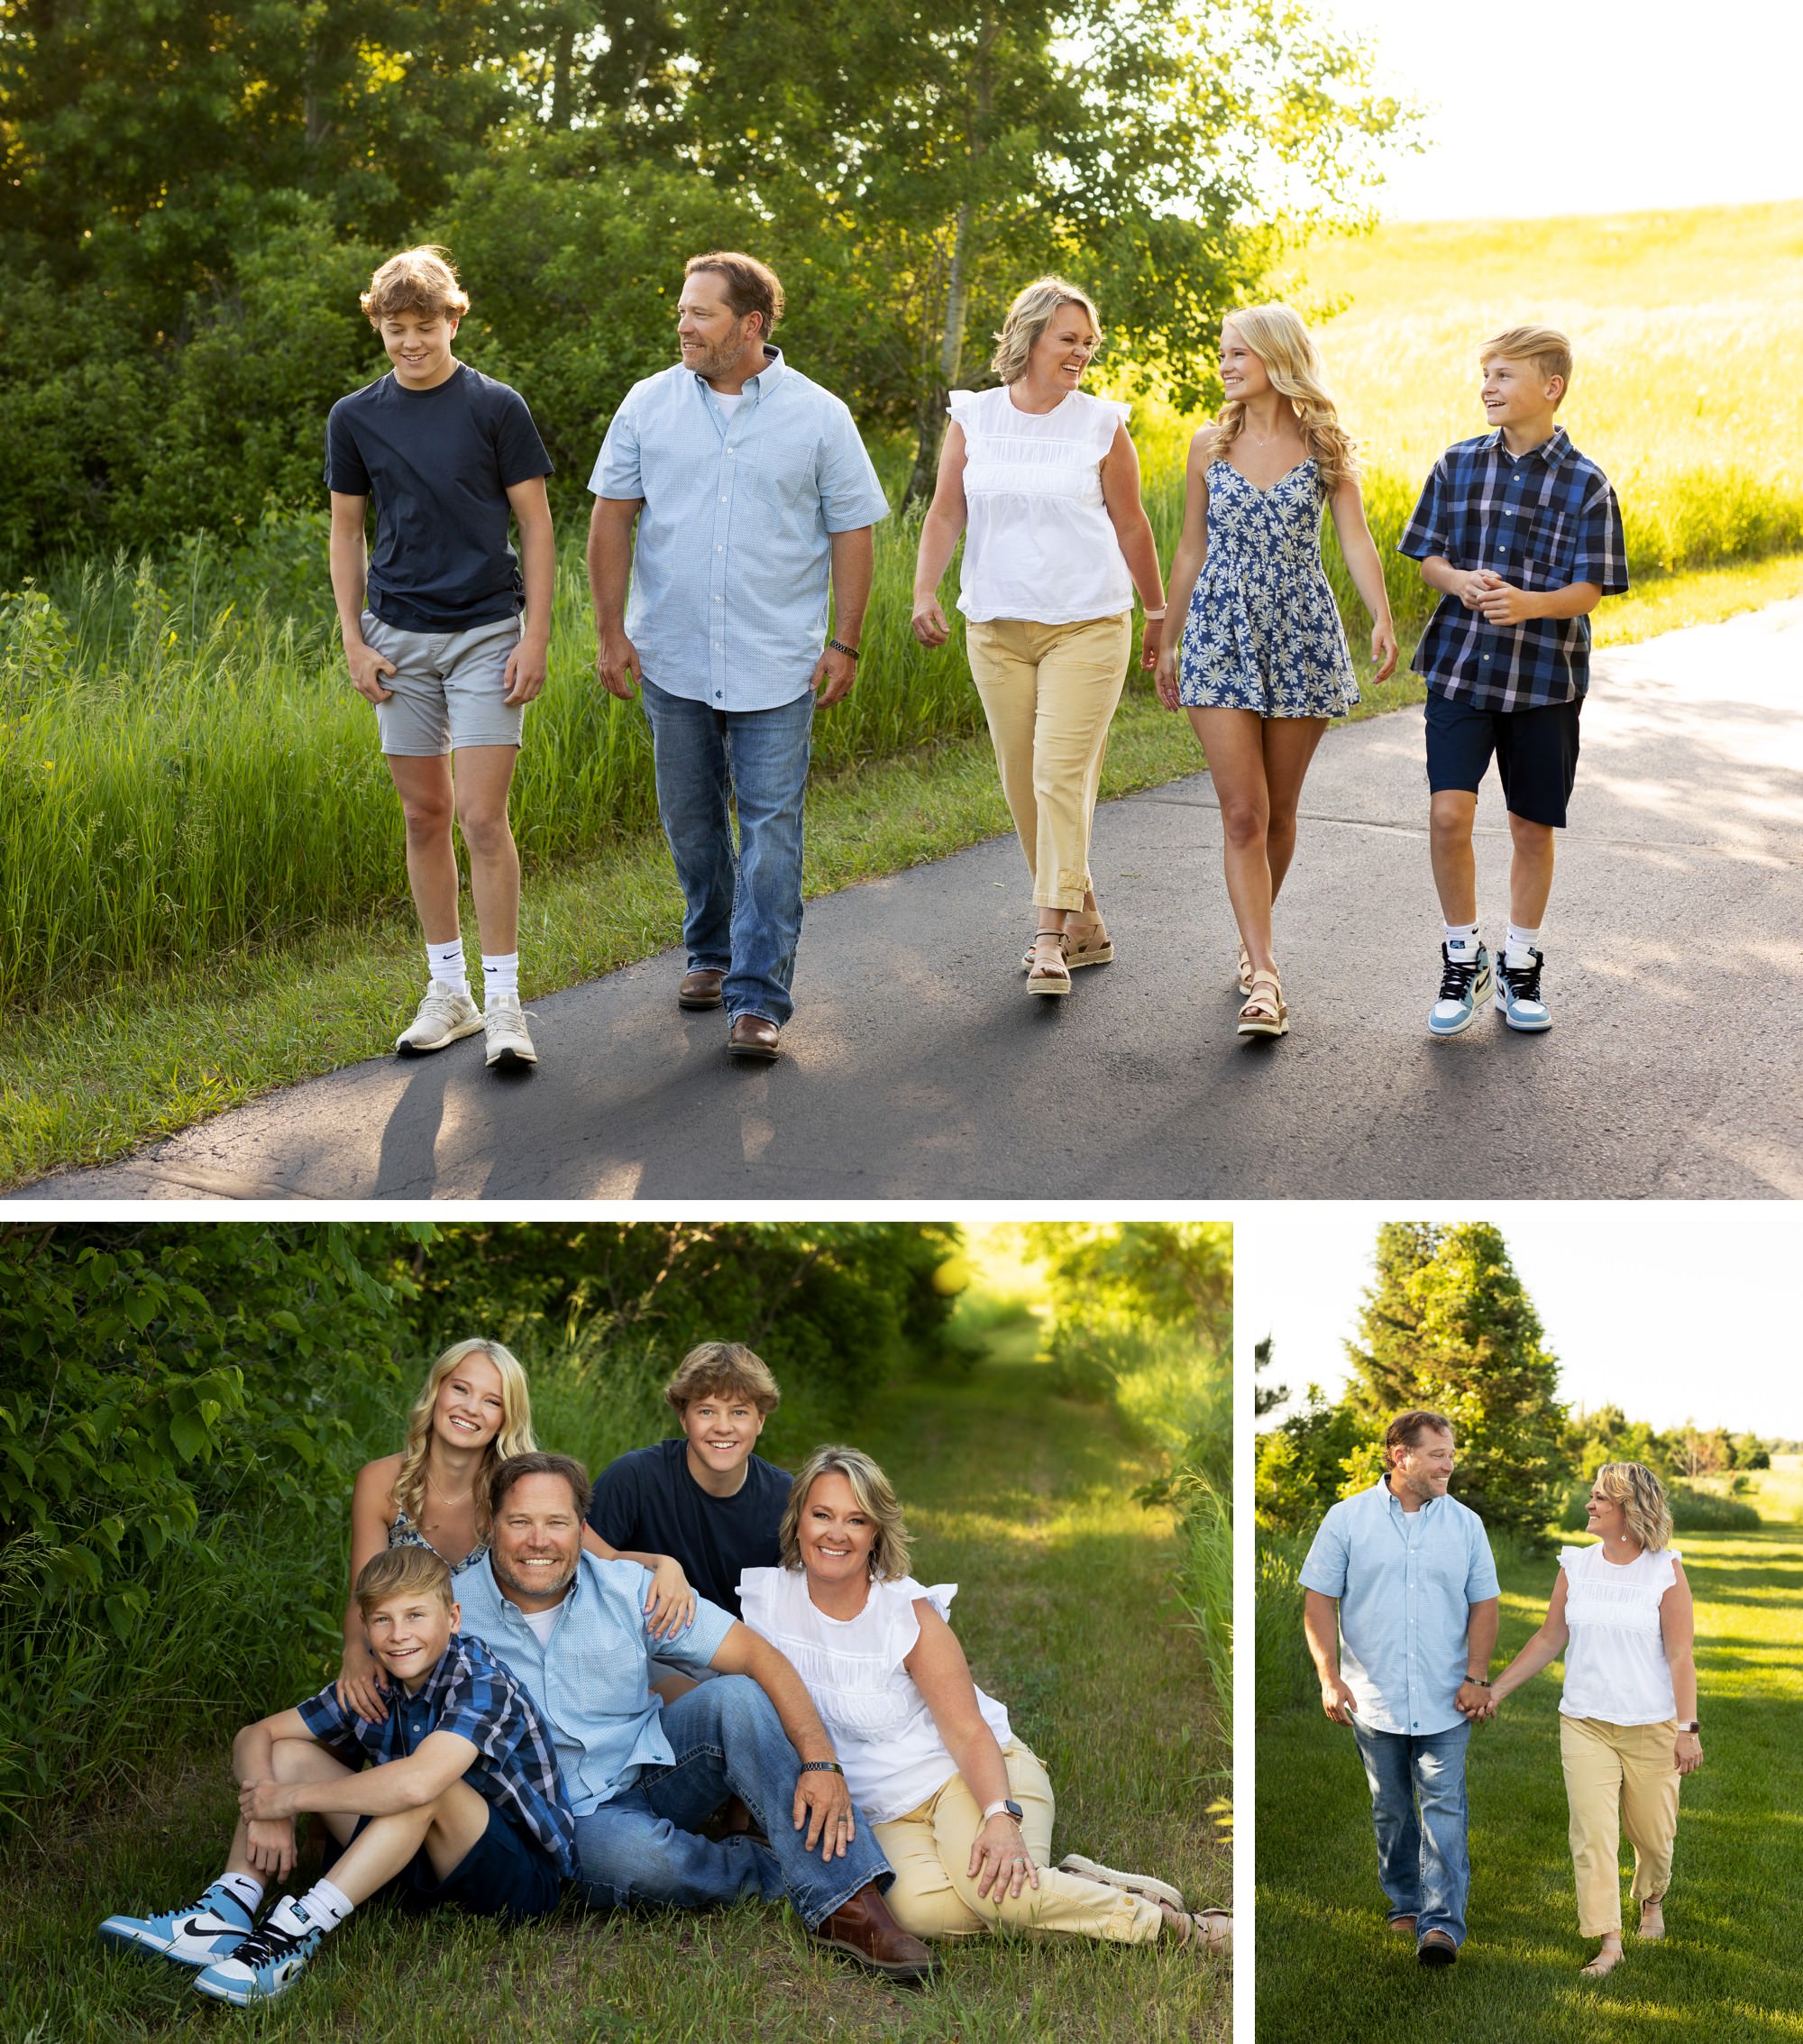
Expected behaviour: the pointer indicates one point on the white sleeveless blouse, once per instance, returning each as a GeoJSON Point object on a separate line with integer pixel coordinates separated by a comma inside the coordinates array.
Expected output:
{"type": "Point", "coordinates": [1615, 1667]}
{"type": "Point", "coordinates": [1037, 544]}
{"type": "Point", "coordinates": [881, 1729]}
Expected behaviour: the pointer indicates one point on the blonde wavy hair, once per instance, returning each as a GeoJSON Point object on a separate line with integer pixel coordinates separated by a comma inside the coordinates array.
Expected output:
{"type": "Point", "coordinates": [1641, 1497]}
{"type": "Point", "coordinates": [514, 1438]}
{"type": "Point", "coordinates": [1282, 342]}
{"type": "Point", "coordinates": [876, 1499]}
{"type": "Point", "coordinates": [1028, 316]}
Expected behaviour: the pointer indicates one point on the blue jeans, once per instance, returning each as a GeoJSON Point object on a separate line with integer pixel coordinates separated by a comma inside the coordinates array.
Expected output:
{"type": "Point", "coordinates": [742, 913]}
{"type": "Point", "coordinates": [1423, 1861]}
{"type": "Point", "coordinates": [642, 1846]}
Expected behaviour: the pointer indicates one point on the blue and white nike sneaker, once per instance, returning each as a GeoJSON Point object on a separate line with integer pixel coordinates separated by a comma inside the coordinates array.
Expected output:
{"type": "Point", "coordinates": [196, 1935]}
{"type": "Point", "coordinates": [1518, 993]}
{"type": "Point", "coordinates": [269, 1960]}
{"type": "Point", "coordinates": [1465, 984]}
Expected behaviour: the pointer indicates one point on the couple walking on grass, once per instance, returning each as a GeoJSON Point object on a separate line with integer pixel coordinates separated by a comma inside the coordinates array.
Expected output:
{"type": "Point", "coordinates": [1400, 1611]}
{"type": "Point", "coordinates": [733, 499]}
{"type": "Point", "coordinates": [749, 1696]}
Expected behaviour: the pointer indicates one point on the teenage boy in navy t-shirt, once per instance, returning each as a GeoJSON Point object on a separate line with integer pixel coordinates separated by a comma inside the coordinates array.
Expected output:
{"type": "Point", "coordinates": [1521, 536]}
{"type": "Point", "coordinates": [713, 1504]}
{"type": "Point", "coordinates": [461, 1801]}
{"type": "Point", "coordinates": [433, 628]}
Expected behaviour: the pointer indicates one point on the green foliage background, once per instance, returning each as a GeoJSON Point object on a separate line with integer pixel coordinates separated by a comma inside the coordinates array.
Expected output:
{"type": "Point", "coordinates": [182, 1409]}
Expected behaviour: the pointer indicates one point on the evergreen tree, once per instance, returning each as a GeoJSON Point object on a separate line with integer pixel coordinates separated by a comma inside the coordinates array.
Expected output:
{"type": "Point", "coordinates": [1451, 1326]}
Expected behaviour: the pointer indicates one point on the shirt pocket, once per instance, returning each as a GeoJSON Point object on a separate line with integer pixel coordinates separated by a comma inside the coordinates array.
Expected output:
{"type": "Point", "coordinates": [784, 476]}
{"type": "Point", "coordinates": [1546, 545]}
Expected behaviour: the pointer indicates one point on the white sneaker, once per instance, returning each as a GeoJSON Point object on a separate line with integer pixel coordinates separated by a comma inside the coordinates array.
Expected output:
{"type": "Point", "coordinates": [446, 1013]}
{"type": "Point", "coordinates": [505, 1026]}
{"type": "Point", "coordinates": [1129, 1883]}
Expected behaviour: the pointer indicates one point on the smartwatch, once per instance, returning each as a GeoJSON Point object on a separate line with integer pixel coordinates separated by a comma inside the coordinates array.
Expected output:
{"type": "Point", "coordinates": [1014, 1809]}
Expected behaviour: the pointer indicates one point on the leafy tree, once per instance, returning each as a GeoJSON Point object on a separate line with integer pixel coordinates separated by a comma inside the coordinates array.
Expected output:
{"type": "Point", "coordinates": [1266, 1397]}
{"type": "Point", "coordinates": [1454, 1329]}
{"type": "Point", "coordinates": [1302, 1462]}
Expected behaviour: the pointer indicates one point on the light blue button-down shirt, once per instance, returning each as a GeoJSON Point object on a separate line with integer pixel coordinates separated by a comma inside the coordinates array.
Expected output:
{"type": "Point", "coordinates": [733, 557]}
{"type": "Point", "coordinates": [1405, 1582]}
{"type": "Point", "coordinates": [590, 1680]}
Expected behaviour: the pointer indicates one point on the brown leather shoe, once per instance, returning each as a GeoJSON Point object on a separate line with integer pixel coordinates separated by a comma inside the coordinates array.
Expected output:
{"type": "Point", "coordinates": [699, 989]}
{"type": "Point", "coordinates": [1437, 1948]}
{"type": "Point", "coordinates": [752, 1037]}
{"type": "Point", "coordinates": [864, 1929]}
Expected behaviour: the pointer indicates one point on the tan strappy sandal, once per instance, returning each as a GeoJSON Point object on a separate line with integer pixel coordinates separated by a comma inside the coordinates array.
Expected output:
{"type": "Point", "coordinates": [1265, 1015]}
{"type": "Point", "coordinates": [1092, 947]}
{"type": "Point", "coordinates": [1046, 975]}
{"type": "Point", "coordinates": [1202, 1929]}
{"type": "Point", "coordinates": [1245, 971]}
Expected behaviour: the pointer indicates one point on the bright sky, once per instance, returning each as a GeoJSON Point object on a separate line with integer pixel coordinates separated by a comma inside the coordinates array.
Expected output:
{"type": "Point", "coordinates": [1589, 106]}
{"type": "Point", "coordinates": [1673, 1313]}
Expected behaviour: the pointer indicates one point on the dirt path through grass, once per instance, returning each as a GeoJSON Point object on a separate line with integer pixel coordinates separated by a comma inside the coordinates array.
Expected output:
{"type": "Point", "coordinates": [1065, 1609]}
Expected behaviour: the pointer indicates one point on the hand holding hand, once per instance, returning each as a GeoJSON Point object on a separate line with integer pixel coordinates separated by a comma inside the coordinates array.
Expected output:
{"type": "Point", "coordinates": [1339, 1702]}
{"type": "Point", "coordinates": [823, 1803]}
{"type": "Point", "coordinates": [1000, 1856]}
{"type": "Point", "coordinates": [1473, 587]}
{"type": "Point", "coordinates": [1473, 1701]}
{"type": "Point", "coordinates": [263, 1800]}
{"type": "Point", "coordinates": [369, 670]}
{"type": "Point", "coordinates": [1504, 605]}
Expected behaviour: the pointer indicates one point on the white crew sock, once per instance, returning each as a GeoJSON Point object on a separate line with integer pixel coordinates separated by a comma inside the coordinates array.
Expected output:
{"type": "Point", "coordinates": [1521, 942]}
{"type": "Point", "coordinates": [1461, 939]}
{"type": "Point", "coordinates": [327, 1905]}
{"type": "Point", "coordinates": [500, 974]}
{"type": "Point", "coordinates": [444, 963]}
{"type": "Point", "coordinates": [246, 1888]}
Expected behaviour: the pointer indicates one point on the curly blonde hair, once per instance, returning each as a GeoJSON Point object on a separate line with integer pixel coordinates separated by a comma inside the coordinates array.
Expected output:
{"type": "Point", "coordinates": [514, 1437]}
{"type": "Point", "coordinates": [1282, 342]}
{"type": "Point", "coordinates": [876, 1499]}
{"type": "Point", "coordinates": [1641, 1497]}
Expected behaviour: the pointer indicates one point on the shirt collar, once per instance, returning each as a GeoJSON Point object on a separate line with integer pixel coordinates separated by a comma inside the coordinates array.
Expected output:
{"type": "Point", "coordinates": [766, 379]}
{"type": "Point", "coordinates": [1551, 451]}
{"type": "Point", "coordinates": [1393, 1503]}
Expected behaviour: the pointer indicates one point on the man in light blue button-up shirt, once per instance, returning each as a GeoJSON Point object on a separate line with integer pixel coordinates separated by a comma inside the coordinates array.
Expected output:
{"type": "Point", "coordinates": [1410, 1571]}
{"type": "Point", "coordinates": [753, 496]}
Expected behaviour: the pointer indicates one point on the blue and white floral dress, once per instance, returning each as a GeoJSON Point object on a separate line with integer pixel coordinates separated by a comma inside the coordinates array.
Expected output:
{"type": "Point", "coordinates": [1263, 631]}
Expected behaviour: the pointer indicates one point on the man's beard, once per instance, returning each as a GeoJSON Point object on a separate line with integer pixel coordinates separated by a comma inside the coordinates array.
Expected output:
{"type": "Point", "coordinates": [508, 1580]}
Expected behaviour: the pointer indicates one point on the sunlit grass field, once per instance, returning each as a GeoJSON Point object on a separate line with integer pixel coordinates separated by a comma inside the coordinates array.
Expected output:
{"type": "Point", "coordinates": [1328, 1966]}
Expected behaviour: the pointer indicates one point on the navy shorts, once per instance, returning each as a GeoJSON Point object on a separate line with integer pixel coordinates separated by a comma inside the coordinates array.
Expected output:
{"type": "Point", "coordinates": [506, 1873]}
{"type": "Point", "coordinates": [1535, 751]}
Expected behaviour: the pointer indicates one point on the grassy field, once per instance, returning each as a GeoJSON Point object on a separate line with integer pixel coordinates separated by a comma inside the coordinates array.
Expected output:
{"type": "Point", "coordinates": [1067, 1613]}
{"type": "Point", "coordinates": [1328, 1967]}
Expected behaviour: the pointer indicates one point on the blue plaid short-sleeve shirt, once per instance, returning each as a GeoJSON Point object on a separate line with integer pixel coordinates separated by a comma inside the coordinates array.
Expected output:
{"type": "Point", "coordinates": [1540, 520]}
{"type": "Point", "coordinates": [473, 1694]}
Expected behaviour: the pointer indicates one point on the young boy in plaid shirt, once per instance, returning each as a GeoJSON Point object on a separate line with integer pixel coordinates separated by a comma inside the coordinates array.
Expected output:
{"type": "Point", "coordinates": [460, 1802]}
{"type": "Point", "coordinates": [1521, 536]}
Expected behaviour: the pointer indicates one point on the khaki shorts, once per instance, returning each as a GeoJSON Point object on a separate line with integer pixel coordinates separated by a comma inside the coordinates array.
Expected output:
{"type": "Point", "coordinates": [447, 687]}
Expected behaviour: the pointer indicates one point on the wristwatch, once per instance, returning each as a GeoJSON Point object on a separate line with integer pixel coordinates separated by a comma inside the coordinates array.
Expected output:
{"type": "Point", "coordinates": [1012, 1808]}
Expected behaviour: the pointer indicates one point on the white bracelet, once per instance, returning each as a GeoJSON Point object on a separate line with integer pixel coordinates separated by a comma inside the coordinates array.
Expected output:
{"type": "Point", "coordinates": [1153, 616]}
{"type": "Point", "coordinates": [995, 1809]}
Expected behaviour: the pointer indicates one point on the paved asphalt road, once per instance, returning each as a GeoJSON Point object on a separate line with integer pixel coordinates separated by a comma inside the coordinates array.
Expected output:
{"type": "Point", "coordinates": [917, 1067]}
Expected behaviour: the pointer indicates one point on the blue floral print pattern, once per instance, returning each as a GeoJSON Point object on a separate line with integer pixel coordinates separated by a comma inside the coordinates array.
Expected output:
{"type": "Point", "coordinates": [1263, 631]}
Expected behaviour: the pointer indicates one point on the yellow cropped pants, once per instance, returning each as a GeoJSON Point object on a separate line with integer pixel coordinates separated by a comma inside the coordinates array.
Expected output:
{"type": "Point", "coordinates": [934, 1897]}
{"type": "Point", "coordinates": [1618, 1778]}
{"type": "Point", "coordinates": [1049, 692]}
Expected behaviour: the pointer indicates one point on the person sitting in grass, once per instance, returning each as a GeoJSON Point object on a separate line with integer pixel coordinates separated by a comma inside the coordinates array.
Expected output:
{"type": "Point", "coordinates": [1521, 536]}
{"type": "Point", "coordinates": [432, 627]}
{"type": "Point", "coordinates": [474, 1410]}
{"type": "Point", "coordinates": [929, 1758]}
{"type": "Point", "coordinates": [461, 1801]}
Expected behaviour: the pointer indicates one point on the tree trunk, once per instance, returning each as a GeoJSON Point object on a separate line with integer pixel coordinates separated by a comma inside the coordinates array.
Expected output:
{"type": "Point", "coordinates": [560, 76]}
{"type": "Point", "coordinates": [933, 411]}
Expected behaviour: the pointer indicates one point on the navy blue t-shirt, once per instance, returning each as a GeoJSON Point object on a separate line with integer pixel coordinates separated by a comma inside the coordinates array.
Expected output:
{"type": "Point", "coordinates": [439, 465]}
{"type": "Point", "coordinates": [646, 1502]}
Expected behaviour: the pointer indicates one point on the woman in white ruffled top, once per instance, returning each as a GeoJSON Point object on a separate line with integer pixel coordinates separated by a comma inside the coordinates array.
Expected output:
{"type": "Point", "coordinates": [961, 1808]}
{"type": "Point", "coordinates": [1043, 481]}
{"type": "Point", "coordinates": [1627, 1725]}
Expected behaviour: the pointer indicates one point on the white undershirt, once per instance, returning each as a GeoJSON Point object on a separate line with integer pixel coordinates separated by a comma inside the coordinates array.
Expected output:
{"type": "Point", "coordinates": [725, 402]}
{"type": "Point", "coordinates": [542, 1622]}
